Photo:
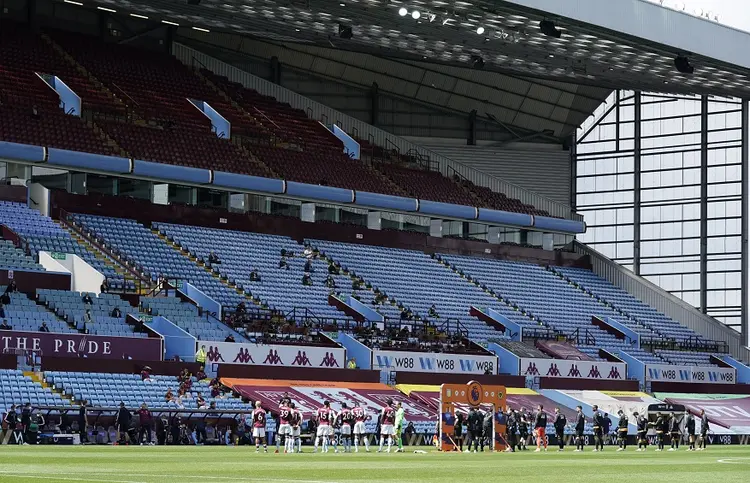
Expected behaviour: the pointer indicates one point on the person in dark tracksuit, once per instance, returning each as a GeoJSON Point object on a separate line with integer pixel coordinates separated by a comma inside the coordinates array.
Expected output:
{"type": "Point", "coordinates": [622, 431]}
{"type": "Point", "coordinates": [704, 431]}
{"type": "Point", "coordinates": [598, 429]}
{"type": "Point", "coordinates": [475, 429]}
{"type": "Point", "coordinates": [675, 432]}
{"type": "Point", "coordinates": [662, 426]}
{"type": "Point", "coordinates": [690, 428]}
{"type": "Point", "coordinates": [606, 426]}
{"type": "Point", "coordinates": [458, 431]}
{"type": "Point", "coordinates": [523, 429]}
{"type": "Point", "coordinates": [540, 429]}
{"type": "Point", "coordinates": [560, 422]}
{"type": "Point", "coordinates": [642, 425]}
{"type": "Point", "coordinates": [580, 426]}
{"type": "Point", "coordinates": [487, 431]}
{"type": "Point", "coordinates": [511, 426]}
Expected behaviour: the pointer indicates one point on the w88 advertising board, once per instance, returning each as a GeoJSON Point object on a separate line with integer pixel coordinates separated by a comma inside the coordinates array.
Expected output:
{"type": "Point", "coordinates": [710, 375]}
{"type": "Point", "coordinates": [432, 362]}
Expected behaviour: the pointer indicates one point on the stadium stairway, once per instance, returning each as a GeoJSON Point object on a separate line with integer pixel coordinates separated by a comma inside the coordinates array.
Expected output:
{"type": "Point", "coordinates": [625, 303]}
{"type": "Point", "coordinates": [89, 77]}
{"type": "Point", "coordinates": [506, 302]}
{"type": "Point", "coordinates": [230, 285]}
{"type": "Point", "coordinates": [144, 285]}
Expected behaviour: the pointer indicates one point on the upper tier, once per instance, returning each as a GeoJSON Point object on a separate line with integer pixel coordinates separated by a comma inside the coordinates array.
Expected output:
{"type": "Point", "coordinates": [136, 105]}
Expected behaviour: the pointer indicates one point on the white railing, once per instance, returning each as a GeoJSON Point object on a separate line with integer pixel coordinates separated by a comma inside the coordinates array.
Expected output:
{"type": "Point", "coordinates": [666, 303]}
{"type": "Point", "coordinates": [361, 130]}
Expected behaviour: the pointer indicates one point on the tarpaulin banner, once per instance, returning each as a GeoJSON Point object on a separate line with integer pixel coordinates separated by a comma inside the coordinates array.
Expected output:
{"type": "Point", "coordinates": [671, 373]}
{"type": "Point", "coordinates": [573, 369]}
{"type": "Point", "coordinates": [434, 362]}
{"type": "Point", "coordinates": [274, 355]}
{"type": "Point", "coordinates": [81, 345]}
{"type": "Point", "coordinates": [308, 396]}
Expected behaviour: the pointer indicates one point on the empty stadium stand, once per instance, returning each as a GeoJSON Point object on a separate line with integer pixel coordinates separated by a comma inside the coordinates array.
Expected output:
{"type": "Point", "coordinates": [552, 300]}
{"type": "Point", "coordinates": [185, 316]}
{"type": "Point", "coordinates": [16, 259]}
{"type": "Point", "coordinates": [23, 314]}
{"type": "Point", "coordinates": [136, 103]}
{"type": "Point", "coordinates": [109, 390]}
{"type": "Point", "coordinates": [140, 246]}
{"type": "Point", "coordinates": [42, 234]}
{"type": "Point", "coordinates": [279, 288]}
{"type": "Point", "coordinates": [628, 305]}
{"type": "Point", "coordinates": [418, 275]}
{"type": "Point", "coordinates": [19, 388]}
{"type": "Point", "coordinates": [71, 307]}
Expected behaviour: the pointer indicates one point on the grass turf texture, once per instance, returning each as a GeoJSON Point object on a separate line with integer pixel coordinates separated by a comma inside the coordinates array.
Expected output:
{"type": "Point", "coordinates": [135, 464]}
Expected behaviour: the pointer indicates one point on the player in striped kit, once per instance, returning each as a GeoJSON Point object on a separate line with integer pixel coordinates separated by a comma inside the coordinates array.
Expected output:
{"type": "Point", "coordinates": [259, 427]}
{"type": "Point", "coordinates": [387, 421]}
{"type": "Point", "coordinates": [285, 428]}
{"type": "Point", "coordinates": [360, 432]}
{"type": "Point", "coordinates": [346, 419]}
{"type": "Point", "coordinates": [324, 415]}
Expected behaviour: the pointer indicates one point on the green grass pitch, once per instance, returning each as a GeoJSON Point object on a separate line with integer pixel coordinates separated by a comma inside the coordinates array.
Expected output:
{"type": "Point", "coordinates": [135, 464]}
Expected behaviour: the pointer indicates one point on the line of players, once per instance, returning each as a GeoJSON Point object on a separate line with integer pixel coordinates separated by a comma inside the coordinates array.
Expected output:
{"type": "Point", "coordinates": [348, 421]}
{"type": "Point", "coordinates": [517, 434]}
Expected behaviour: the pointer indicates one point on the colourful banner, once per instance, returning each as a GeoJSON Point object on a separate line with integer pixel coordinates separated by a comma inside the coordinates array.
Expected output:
{"type": "Point", "coordinates": [434, 362]}
{"type": "Point", "coordinates": [274, 355]}
{"type": "Point", "coordinates": [80, 345]}
{"type": "Point", "coordinates": [573, 369]}
{"type": "Point", "coordinates": [671, 373]}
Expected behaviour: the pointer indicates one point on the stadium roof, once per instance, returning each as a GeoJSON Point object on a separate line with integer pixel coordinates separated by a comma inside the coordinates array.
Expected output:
{"type": "Point", "coordinates": [527, 79]}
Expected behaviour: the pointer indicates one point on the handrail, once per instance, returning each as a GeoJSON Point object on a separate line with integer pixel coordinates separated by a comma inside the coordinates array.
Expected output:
{"type": "Point", "coordinates": [382, 138]}
{"type": "Point", "coordinates": [664, 302]}
{"type": "Point", "coordinates": [126, 94]}
{"type": "Point", "coordinates": [64, 219]}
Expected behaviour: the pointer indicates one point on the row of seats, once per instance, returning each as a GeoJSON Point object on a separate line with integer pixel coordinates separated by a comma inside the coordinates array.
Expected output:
{"type": "Point", "coordinates": [23, 314]}
{"type": "Point", "coordinates": [41, 233]}
{"type": "Point", "coordinates": [18, 389]}
{"type": "Point", "coordinates": [417, 281]}
{"type": "Point", "coordinates": [279, 289]}
{"type": "Point", "coordinates": [109, 390]}
{"type": "Point", "coordinates": [140, 100]}
{"type": "Point", "coordinates": [71, 306]}
{"type": "Point", "coordinates": [185, 316]}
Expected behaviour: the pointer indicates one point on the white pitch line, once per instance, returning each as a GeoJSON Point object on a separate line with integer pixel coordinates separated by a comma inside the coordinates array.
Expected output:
{"type": "Point", "coordinates": [735, 461]}
{"type": "Point", "coordinates": [77, 478]}
{"type": "Point", "coordinates": [104, 476]}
